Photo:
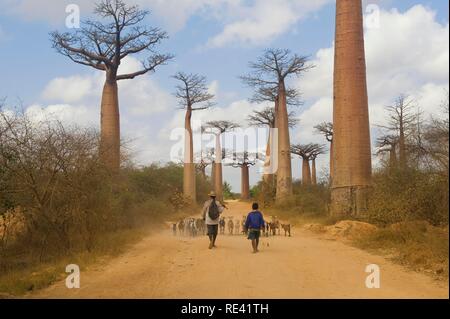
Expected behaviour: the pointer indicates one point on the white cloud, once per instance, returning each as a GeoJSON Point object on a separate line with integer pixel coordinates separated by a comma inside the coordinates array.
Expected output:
{"type": "Point", "coordinates": [245, 22]}
{"type": "Point", "coordinates": [143, 103]}
{"type": "Point", "coordinates": [408, 53]}
{"type": "Point", "coordinates": [69, 114]}
{"type": "Point", "coordinates": [264, 20]}
{"type": "Point", "coordinates": [51, 11]}
{"type": "Point", "coordinates": [140, 96]}
{"type": "Point", "coordinates": [70, 89]}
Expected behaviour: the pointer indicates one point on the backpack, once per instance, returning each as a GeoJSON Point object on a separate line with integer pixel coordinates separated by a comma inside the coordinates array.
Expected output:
{"type": "Point", "coordinates": [213, 211]}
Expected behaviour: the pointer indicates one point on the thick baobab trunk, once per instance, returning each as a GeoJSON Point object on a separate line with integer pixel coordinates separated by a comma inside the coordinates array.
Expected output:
{"type": "Point", "coordinates": [284, 171]}
{"type": "Point", "coordinates": [218, 183]}
{"type": "Point", "coordinates": [245, 182]}
{"type": "Point", "coordinates": [313, 172]}
{"type": "Point", "coordinates": [331, 161]}
{"type": "Point", "coordinates": [189, 165]}
{"type": "Point", "coordinates": [110, 124]}
{"type": "Point", "coordinates": [274, 148]}
{"type": "Point", "coordinates": [306, 172]}
{"type": "Point", "coordinates": [351, 138]}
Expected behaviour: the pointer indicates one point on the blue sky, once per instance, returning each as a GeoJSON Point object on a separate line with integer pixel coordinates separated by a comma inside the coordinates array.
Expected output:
{"type": "Point", "coordinates": [202, 42]}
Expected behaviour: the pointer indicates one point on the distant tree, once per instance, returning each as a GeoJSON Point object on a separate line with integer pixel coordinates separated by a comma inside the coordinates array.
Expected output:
{"type": "Point", "coordinates": [388, 144]}
{"type": "Point", "coordinates": [436, 140]}
{"type": "Point", "coordinates": [308, 152]}
{"type": "Point", "coordinates": [269, 72]}
{"type": "Point", "coordinates": [227, 191]}
{"type": "Point", "coordinates": [243, 161]}
{"type": "Point", "coordinates": [326, 129]}
{"type": "Point", "coordinates": [401, 120]}
{"type": "Point", "coordinates": [192, 94]}
{"type": "Point", "coordinates": [315, 152]}
{"type": "Point", "coordinates": [266, 118]}
{"type": "Point", "coordinates": [217, 128]}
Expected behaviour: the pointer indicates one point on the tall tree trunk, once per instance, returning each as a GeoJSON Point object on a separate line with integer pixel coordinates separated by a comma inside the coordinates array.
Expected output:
{"type": "Point", "coordinates": [402, 147]}
{"type": "Point", "coordinates": [331, 161]}
{"type": "Point", "coordinates": [269, 162]}
{"type": "Point", "coordinates": [274, 148]}
{"type": "Point", "coordinates": [189, 190]}
{"type": "Point", "coordinates": [110, 124]}
{"type": "Point", "coordinates": [306, 172]}
{"type": "Point", "coordinates": [392, 157]}
{"type": "Point", "coordinates": [352, 153]}
{"type": "Point", "coordinates": [218, 183]}
{"type": "Point", "coordinates": [284, 172]}
{"type": "Point", "coordinates": [313, 172]}
{"type": "Point", "coordinates": [245, 182]}
{"type": "Point", "coordinates": [213, 174]}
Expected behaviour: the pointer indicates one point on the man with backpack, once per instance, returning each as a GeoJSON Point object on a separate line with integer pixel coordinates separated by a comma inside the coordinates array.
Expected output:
{"type": "Point", "coordinates": [211, 215]}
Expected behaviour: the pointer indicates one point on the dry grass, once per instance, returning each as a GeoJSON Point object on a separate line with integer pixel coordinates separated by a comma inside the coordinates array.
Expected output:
{"type": "Point", "coordinates": [37, 276]}
{"type": "Point", "coordinates": [417, 245]}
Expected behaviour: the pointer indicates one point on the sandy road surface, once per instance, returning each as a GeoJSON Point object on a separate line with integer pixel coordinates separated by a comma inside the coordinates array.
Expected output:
{"type": "Point", "coordinates": [303, 266]}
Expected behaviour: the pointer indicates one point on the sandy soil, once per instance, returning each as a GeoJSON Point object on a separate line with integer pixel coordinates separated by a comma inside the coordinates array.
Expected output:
{"type": "Point", "coordinates": [302, 266]}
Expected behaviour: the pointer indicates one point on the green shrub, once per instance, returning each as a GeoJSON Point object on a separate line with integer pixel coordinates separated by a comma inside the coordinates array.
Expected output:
{"type": "Point", "coordinates": [402, 195]}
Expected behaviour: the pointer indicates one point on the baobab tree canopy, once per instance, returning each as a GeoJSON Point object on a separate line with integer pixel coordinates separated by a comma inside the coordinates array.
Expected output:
{"type": "Point", "coordinates": [193, 90]}
{"type": "Point", "coordinates": [221, 126]}
{"type": "Point", "coordinates": [266, 118]}
{"type": "Point", "coordinates": [325, 128]}
{"type": "Point", "coordinates": [307, 151]}
{"type": "Point", "coordinates": [102, 44]}
{"type": "Point", "coordinates": [273, 66]}
{"type": "Point", "coordinates": [263, 93]}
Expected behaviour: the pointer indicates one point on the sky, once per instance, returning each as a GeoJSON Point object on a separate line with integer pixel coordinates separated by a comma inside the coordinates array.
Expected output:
{"type": "Point", "coordinates": [407, 52]}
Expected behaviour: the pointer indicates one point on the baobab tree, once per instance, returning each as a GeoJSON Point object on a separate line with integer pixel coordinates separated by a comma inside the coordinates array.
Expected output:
{"type": "Point", "coordinates": [326, 129]}
{"type": "Point", "coordinates": [218, 128]}
{"type": "Point", "coordinates": [266, 118]}
{"type": "Point", "coordinates": [203, 160]}
{"type": "Point", "coordinates": [388, 144]}
{"type": "Point", "coordinates": [352, 164]}
{"type": "Point", "coordinates": [317, 150]}
{"type": "Point", "coordinates": [243, 162]}
{"type": "Point", "coordinates": [437, 140]}
{"type": "Point", "coordinates": [401, 123]}
{"type": "Point", "coordinates": [103, 44]}
{"type": "Point", "coordinates": [192, 94]}
{"type": "Point", "coordinates": [272, 70]}
{"type": "Point", "coordinates": [305, 152]}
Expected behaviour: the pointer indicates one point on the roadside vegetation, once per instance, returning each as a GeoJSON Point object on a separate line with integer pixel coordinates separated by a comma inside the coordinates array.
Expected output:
{"type": "Point", "coordinates": [59, 204]}
{"type": "Point", "coordinates": [409, 197]}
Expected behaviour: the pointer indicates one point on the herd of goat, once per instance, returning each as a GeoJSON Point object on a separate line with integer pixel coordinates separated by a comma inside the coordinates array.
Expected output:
{"type": "Point", "coordinates": [227, 225]}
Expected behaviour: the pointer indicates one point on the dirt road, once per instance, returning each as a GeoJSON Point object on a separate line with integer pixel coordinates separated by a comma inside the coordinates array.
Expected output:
{"type": "Point", "coordinates": [302, 266]}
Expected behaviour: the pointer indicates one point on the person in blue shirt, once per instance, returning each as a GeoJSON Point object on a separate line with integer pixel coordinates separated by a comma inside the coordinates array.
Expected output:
{"type": "Point", "coordinates": [253, 225]}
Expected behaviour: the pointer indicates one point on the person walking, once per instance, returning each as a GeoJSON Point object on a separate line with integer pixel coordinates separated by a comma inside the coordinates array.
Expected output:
{"type": "Point", "coordinates": [253, 225]}
{"type": "Point", "coordinates": [212, 209]}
